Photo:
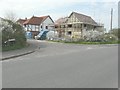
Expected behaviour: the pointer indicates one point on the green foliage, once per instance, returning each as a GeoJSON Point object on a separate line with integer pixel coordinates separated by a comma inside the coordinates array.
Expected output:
{"type": "Point", "coordinates": [115, 32]}
{"type": "Point", "coordinates": [110, 37]}
{"type": "Point", "coordinates": [13, 47]}
{"type": "Point", "coordinates": [12, 30]}
{"type": "Point", "coordinates": [87, 42]}
{"type": "Point", "coordinates": [19, 34]}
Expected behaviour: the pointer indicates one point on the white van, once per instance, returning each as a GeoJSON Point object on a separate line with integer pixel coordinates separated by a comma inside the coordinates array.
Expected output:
{"type": "Point", "coordinates": [51, 35]}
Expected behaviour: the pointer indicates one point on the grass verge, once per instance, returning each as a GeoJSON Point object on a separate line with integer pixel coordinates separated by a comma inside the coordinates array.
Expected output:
{"type": "Point", "coordinates": [85, 42]}
{"type": "Point", "coordinates": [14, 47]}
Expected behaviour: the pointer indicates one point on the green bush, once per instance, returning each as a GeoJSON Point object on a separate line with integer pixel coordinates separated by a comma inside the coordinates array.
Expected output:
{"type": "Point", "coordinates": [115, 32]}
{"type": "Point", "coordinates": [12, 30]}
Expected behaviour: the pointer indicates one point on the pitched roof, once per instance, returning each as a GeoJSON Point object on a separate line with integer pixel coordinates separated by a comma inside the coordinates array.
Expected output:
{"type": "Point", "coordinates": [36, 20]}
{"type": "Point", "coordinates": [21, 21]}
{"type": "Point", "coordinates": [61, 20]}
{"type": "Point", "coordinates": [84, 18]}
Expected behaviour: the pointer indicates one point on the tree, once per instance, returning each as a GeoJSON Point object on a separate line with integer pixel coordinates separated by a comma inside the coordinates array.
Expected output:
{"type": "Point", "coordinates": [115, 32]}
{"type": "Point", "coordinates": [11, 30]}
{"type": "Point", "coordinates": [92, 35]}
{"type": "Point", "coordinates": [9, 15]}
{"type": "Point", "coordinates": [6, 30]}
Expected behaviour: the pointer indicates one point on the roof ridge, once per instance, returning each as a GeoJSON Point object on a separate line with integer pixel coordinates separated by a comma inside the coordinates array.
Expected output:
{"type": "Point", "coordinates": [34, 17]}
{"type": "Point", "coordinates": [44, 16]}
{"type": "Point", "coordinates": [84, 18]}
{"type": "Point", "coordinates": [82, 14]}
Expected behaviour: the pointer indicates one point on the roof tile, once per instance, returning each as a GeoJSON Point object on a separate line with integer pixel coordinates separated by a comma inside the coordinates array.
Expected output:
{"type": "Point", "coordinates": [35, 20]}
{"type": "Point", "coordinates": [84, 18]}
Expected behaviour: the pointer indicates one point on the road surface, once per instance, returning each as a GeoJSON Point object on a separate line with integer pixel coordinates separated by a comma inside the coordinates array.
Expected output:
{"type": "Point", "coordinates": [57, 65]}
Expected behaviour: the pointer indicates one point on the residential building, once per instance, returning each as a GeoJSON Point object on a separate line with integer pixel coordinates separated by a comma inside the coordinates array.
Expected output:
{"type": "Point", "coordinates": [60, 26]}
{"type": "Point", "coordinates": [77, 24]}
{"type": "Point", "coordinates": [36, 24]}
{"type": "Point", "coordinates": [21, 21]}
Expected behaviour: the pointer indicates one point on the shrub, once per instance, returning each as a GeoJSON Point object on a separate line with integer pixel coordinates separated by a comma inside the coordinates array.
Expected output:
{"type": "Point", "coordinates": [12, 30]}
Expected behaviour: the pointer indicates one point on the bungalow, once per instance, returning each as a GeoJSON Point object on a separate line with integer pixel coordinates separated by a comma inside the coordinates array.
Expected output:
{"type": "Point", "coordinates": [76, 24]}
{"type": "Point", "coordinates": [36, 24]}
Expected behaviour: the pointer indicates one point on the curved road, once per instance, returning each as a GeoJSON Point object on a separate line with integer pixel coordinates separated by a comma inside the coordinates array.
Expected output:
{"type": "Point", "coordinates": [57, 65]}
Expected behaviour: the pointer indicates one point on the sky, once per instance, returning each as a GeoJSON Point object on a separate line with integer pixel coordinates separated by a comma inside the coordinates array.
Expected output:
{"type": "Point", "coordinates": [99, 10]}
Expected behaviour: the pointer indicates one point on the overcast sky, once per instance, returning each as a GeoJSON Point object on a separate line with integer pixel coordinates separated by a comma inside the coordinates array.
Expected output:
{"type": "Point", "coordinates": [99, 10]}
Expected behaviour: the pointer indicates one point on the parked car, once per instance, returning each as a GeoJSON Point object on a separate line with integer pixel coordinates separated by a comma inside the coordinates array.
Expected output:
{"type": "Point", "coordinates": [42, 35]}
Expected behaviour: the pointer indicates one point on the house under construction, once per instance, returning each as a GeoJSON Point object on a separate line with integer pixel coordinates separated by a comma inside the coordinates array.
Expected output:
{"type": "Point", "coordinates": [74, 25]}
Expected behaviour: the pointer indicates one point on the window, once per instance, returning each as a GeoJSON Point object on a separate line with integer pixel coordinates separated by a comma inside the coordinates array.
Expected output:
{"type": "Point", "coordinates": [25, 25]}
{"type": "Point", "coordinates": [69, 32]}
{"type": "Point", "coordinates": [70, 25]}
{"type": "Point", "coordinates": [94, 27]}
{"type": "Point", "coordinates": [33, 28]}
{"type": "Point", "coordinates": [62, 26]}
{"type": "Point", "coordinates": [46, 27]}
{"type": "Point", "coordinates": [84, 25]}
{"type": "Point", "coordinates": [37, 28]}
{"type": "Point", "coordinates": [56, 26]}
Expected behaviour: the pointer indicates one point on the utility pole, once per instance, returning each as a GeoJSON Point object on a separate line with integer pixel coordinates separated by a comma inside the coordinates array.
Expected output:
{"type": "Point", "coordinates": [119, 26]}
{"type": "Point", "coordinates": [111, 18]}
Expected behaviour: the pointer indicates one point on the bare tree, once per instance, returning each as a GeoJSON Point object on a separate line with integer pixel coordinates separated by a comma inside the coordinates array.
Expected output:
{"type": "Point", "coordinates": [10, 15]}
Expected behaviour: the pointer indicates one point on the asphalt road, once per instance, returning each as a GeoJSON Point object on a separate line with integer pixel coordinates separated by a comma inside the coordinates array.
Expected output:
{"type": "Point", "coordinates": [57, 65]}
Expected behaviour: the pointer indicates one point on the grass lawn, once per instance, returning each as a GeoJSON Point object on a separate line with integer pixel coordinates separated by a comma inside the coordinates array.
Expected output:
{"type": "Point", "coordinates": [92, 43]}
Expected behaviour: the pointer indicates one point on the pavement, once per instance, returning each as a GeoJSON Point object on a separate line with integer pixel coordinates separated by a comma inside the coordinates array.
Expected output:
{"type": "Point", "coordinates": [33, 46]}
